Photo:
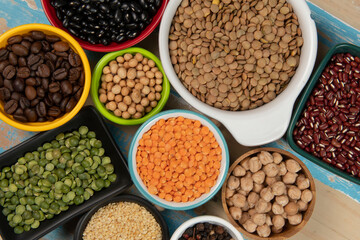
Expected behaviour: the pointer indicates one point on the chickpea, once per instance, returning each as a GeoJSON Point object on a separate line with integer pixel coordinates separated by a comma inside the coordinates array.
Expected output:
{"type": "Point", "coordinates": [140, 108]}
{"type": "Point", "coordinates": [235, 213]}
{"type": "Point", "coordinates": [145, 81]}
{"type": "Point", "coordinates": [145, 102]}
{"type": "Point", "coordinates": [145, 61]}
{"type": "Point", "coordinates": [122, 83]}
{"type": "Point", "coordinates": [137, 115]}
{"type": "Point", "coordinates": [133, 63]}
{"type": "Point", "coordinates": [152, 83]}
{"type": "Point", "coordinates": [111, 106]}
{"type": "Point", "coordinates": [122, 107]}
{"type": "Point", "coordinates": [157, 96]}
{"type": "Point", "coordinates": [113, 67]}
{"type": "Point", "coordinates": [120, 59]}
{"type": "Point", "coordinates": [149, 74]}
{"type": "Point", "coordinates": [148, 109]}
{"type": "Point", "coordinates": [158, 75]}
{"type": "Point", "coordinates": [118, 98]}
{"type": "Point", "coordinates": [128, 56]}
{"type": "Point", "coordinates": [110, 96]}
{"type": "Point", "coordinates": [102, 91]}
{"type": "Point", "coordinates": [139, 86]}
{"type": "Point", "coordinates": [151, 96]}
{"type": "Point", "coordinates": [158, 81]}
{"type": "Point", "coordinates": [103, 98]}
{"type": "Point", "coordinates": [131, 74]}
{"type": "Point", "coordinates": [139, 57]}
{"type": "Point", "coordinates": [153, 104]}
{"type": "Point", "coordinates": [146, 68]}
{"type": "Point", "coordinates": [125, 115]}
{"type": "Point", "coordinates": [116, 79]}
{"type": "Point", "coordinates": [106, 70]}
{"type": "Point", "coordinates": [233, 182]}
{"type": "Point", "coordinates": [136, 96]}
{"type": "Point", "coordinates": [122, 73]}
{"type": "Point", "coordinates": [151, 63]}
{"type": "Point", "coordinates": [140, 74]}
{"type": "Point", "coordinates": [127, 100]}
{"type": "Point", "coordinates": [154, 69]}
{"type": "Point", "coordinates": [117, 112]}
{"type": "Point", "coordinates": [108, 77]}
{"type": "Point", "coordinates": [116, 89]}
{"type": "Point", "coordinates": [146, 90]}
{"type": "Point", "coordinates": [265, 157]}
{"type": "Point", "coordinates": [125, 91]}
{"type": "Point", "coordinates": [131, 110]}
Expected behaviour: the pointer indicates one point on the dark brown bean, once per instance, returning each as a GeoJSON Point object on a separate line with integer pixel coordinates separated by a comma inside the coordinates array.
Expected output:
{"type": "Point", "coordinates": [37, 35]}
{"type": "Point", "coordinates": [66, 87]}
{"type": "Point", "coordinates": [4, 94]}
{"type": "Point", "coordinates": [30, 92]}
{"type": "Point", "coordinates": [34, 61]}
{"type": "Point", "coordinates": [36, 47]}
{"type": "Point", "coordinates": [40, 92]}
{"type": "Point", "coordinates": [9, 72]}
{"type": "Point", "coordinates": [18, 85]}
{"type": "Point", "coordinates": [23, 72]}
{"type": "Point", "coordinates": [60, 74]}
{"type": "Point", "coordinates": [24, 103]}
{"type": "Point", "coordinates": [61, 46]}
{"type": "Point", "coordinates": [63, 103]}
{"type": "Point", "coordinates": [34, 102]}
{"type": "Point", "coordinates": [70, 105]}
{"type": "Point", "coordinates": [13, 59]}
{"type": "Point", "coordinates": [20, 50]}
{"type": "Point", "coordinates": [4, 53]}
{"type": "Point", "coordinates": [43, 71]}
{"type": "Point", "coordinates": [41, 109]}
{"type": "Point", "coordinates": [14, 39]}
{"type": "Point", "coordinates": [3, 64]}
{"type": "Point", "coordinates": [54, 111]}
{"type": "Point", "coordinates": [52, 38]}
{"type": "Point", "coordinates": [10, 106]}
{"type": "Point", "coordinates": [74, 74]}
{"type": "Point", "coordinates": [74, 59]}
{"type": "Point", "coordinates": [54, 87]}
{"type": "Point", "coordinates": [57, 97]}
{"type": "Point", "coordinates": [30, 81]}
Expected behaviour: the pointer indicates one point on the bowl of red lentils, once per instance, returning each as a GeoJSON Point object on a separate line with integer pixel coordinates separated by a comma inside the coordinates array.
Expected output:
{"type": "Point", "coordinates": [129, 86]}
{"type": "Point", "coordinates": [178, 159]}
{"type": "Point", "coordinates": [124, 217]}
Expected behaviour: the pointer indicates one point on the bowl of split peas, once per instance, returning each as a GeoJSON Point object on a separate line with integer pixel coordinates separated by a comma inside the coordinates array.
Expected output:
{"type": "Point", "coordinates": [129, 86]}
{"type": "Point", "coordinates": [178, 159]}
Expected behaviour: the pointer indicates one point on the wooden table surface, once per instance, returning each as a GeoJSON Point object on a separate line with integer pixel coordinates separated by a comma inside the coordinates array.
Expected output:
{"type": "Point", "coordinates": [337, 210]}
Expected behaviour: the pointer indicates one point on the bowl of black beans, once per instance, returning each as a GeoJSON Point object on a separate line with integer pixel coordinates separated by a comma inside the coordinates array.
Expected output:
{"type": "Point", "coordinates": [206, 227]}
{"type": "Point", "coordinates": [105, 25]}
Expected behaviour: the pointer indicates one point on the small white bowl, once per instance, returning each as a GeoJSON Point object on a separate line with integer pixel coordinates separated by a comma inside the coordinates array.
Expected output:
{"type": "Point", "coordinates": [268, 122]}
{"type": "Point", "coordinates": [209, 219]}
{"type": "Point", "coordinates": [162, 202]}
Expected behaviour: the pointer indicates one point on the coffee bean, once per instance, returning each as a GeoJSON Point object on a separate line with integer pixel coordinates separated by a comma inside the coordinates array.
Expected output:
{"type": "Point", "coordinates": [45, 83]}
{"type": "Point", "coordinates": [18, 85]}
{"type": "Point", "coordinates": [46, 46]}
{"type": "Point", "coordinates": [14, 39]}
{"type": "Point", "coordinates": [58, 62]}
{"type": "Point", "coordinates": [63, 103]}
{"type": "Point", "coordinates": [22, 62]}
{"type": "Point", "coordinates": [79, 93]}
{"type": "Point", "coordinates": [40, 92]}
{"type": "Point", "coordinates": [30, 81]}
{"type": "Point", "coordinates": [43, 71]}
{"type": "Point", "coordinates": [71, 104]}
{"type": "Point", "coordinates": [36, 47]}
{"type": "Point", "coordinates": [10, 106]}
{"type": "Point", "coordinates": [34, 102]}
{"type": "Point", "coordinates": [60, 74]}
{"type": "Point", "coordinates": [41, 109]}
{"type": "Point", "coordinates": [82, 78]}
{"type": "Point", "coordinates": [54, 87]}
{"type": "Point", "coordinates": [54, 111]}
{"type": "Point", "coordinates": [24, 102]}
{"type": "Point", "coordinates": [51, 65]}
{"type": "Point", "coordinates": [4, 93]}
{"type": "Point", "coordinates": [74, 59]}
{"type": "Point", "coordinates": [41, 119]}
{"type": "Point", "coordinates": [8, 85]}
{"type": "Point", "coordinates": [28, 38]}
{"type": "Point", "coordinates": [37, 35]}
{"type": "Point", "coordinates": [66, 87]}
{"type": "Point", "coordinates": [26, 44]}
{"type": "Point", "coordinates": [31, 115]}
{"type": "Point", "coordinates": [30, 92]}
{"type": "Point", "coordinates": [20, 118]}
{"type": "Point", "coordinates": [74, 74]}
{"type": "Point", "coordinates": [19, 111]}
{"type": "Point", "coordinates": [52, 38]}
{"type": "Point", "coordinates": [3, 64]}
{"type": "Point", "coordinates": [9, 72]}
{"type": "Point", "coordinates": [4, 53]}
{"type": "Point", "coordinates": [34, 61]}
{"type": "Point", "coordinates": [13, 59]}
{"type": "Point", "coordinates": [56, 97]}
{"type": "Point", "coordinates": [20, 50]}
{"type": "Point", "coordinates": [61, 46]}
{"type": "Point", "coordinates": [48, 101]}
{"type": "Point", "coordinates": [23, 72]}
{"type": "Point", "coordinates": [50, 56]}
{"type": "Point", "coordinates": [15, 96]}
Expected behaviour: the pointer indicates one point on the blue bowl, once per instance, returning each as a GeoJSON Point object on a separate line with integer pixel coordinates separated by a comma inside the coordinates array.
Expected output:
{"type": "Point", "coordinates": [162, 202]}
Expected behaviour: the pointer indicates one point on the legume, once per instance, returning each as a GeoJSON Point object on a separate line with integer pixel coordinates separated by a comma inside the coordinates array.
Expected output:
{"type": "Point", "coordinates": [235, 55]}
{"type": "Point", "coordinates": [178, 159]}
{"type": "Point", "coordinates": [329, 127]}
{"type": "Point", "coordinates": [206, 231]}
{"type": "Point", "coordinates": [45, 182]}
{"type": "Point", "coordinates": [122, 220]}
{"type": "Point", "coordinates": [131, 86]}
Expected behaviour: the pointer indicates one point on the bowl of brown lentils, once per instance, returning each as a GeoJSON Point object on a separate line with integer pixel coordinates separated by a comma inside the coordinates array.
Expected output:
{"type": "Point", "coordinates": [129, 86]}
{"type": "Point", "coordinates": [241, 62]}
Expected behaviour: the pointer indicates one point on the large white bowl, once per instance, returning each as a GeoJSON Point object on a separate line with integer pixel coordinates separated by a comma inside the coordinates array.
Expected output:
{"type": "Point", "coordinates": [209, 219]}
{"type": "Point", "coordinates": [268, 122]}
{"type": "Point", "coordinates": [162, 202]}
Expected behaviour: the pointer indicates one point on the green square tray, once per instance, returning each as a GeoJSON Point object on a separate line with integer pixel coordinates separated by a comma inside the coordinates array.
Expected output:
{"type": "Point", "coordinates": [302, 100]}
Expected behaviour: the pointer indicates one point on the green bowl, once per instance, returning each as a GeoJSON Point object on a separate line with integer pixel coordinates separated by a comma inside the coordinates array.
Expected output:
{"type": "Point", "coordinates": [96, 79]}
{"type": "Point", "coordinates": [340, 48]}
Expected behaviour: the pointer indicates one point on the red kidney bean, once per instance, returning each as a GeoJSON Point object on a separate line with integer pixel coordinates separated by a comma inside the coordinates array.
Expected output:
{"type": "Point", "coordinates": [330, 125]}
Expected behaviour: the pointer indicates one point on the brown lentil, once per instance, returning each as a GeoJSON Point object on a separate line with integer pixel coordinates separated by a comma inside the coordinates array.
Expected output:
{"type": "Point", "coordinates": [122, 220]}
{"type": "Point", "coordinates": [130, 79]}
{"type": "Point", "coordinates": [214, 40]}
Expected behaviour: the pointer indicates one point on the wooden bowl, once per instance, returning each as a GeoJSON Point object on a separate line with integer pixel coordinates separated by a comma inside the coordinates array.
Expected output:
{"type": "Point", "coordinates": [289, 230]}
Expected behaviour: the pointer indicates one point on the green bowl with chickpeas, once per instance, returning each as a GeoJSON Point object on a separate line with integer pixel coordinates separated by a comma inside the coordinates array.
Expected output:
{"type": "Point", "coordinates": [129, 86]}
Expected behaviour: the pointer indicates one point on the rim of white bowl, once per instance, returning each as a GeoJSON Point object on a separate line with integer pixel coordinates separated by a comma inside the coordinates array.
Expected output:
{"type": "Point", "coordinates": [223, 169]}
{"type": "Point", "coordinates": [210, 219]}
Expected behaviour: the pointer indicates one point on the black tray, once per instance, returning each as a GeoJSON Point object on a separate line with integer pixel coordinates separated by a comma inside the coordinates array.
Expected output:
{"type": "Point", "coordinates": [89, 117]}
{"type": "Point", "coordinates": [80, 228]}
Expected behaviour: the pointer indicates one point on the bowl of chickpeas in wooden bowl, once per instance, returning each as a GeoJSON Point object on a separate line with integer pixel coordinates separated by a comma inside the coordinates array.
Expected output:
{"type": "Point", "coordinates": [129, 86]}
{"type": "Point", "coordinates": [268, 194]}
{"type": "Point", "coordinates": [178, 159]}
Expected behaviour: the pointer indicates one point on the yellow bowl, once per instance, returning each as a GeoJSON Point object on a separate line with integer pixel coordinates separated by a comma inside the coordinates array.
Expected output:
{"type": "Point", "coordinates": [47, 29]}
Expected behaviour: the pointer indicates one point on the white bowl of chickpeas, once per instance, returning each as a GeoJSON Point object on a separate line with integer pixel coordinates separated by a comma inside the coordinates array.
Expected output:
{"type": "Point", "coordinates": [268, 194]}
{"type": "Point", "coordinates": [129, 86]}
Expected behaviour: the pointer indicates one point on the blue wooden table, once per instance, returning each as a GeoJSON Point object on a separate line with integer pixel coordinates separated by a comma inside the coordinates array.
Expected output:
{"type": "Point", "coordinates": [331, 31]}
